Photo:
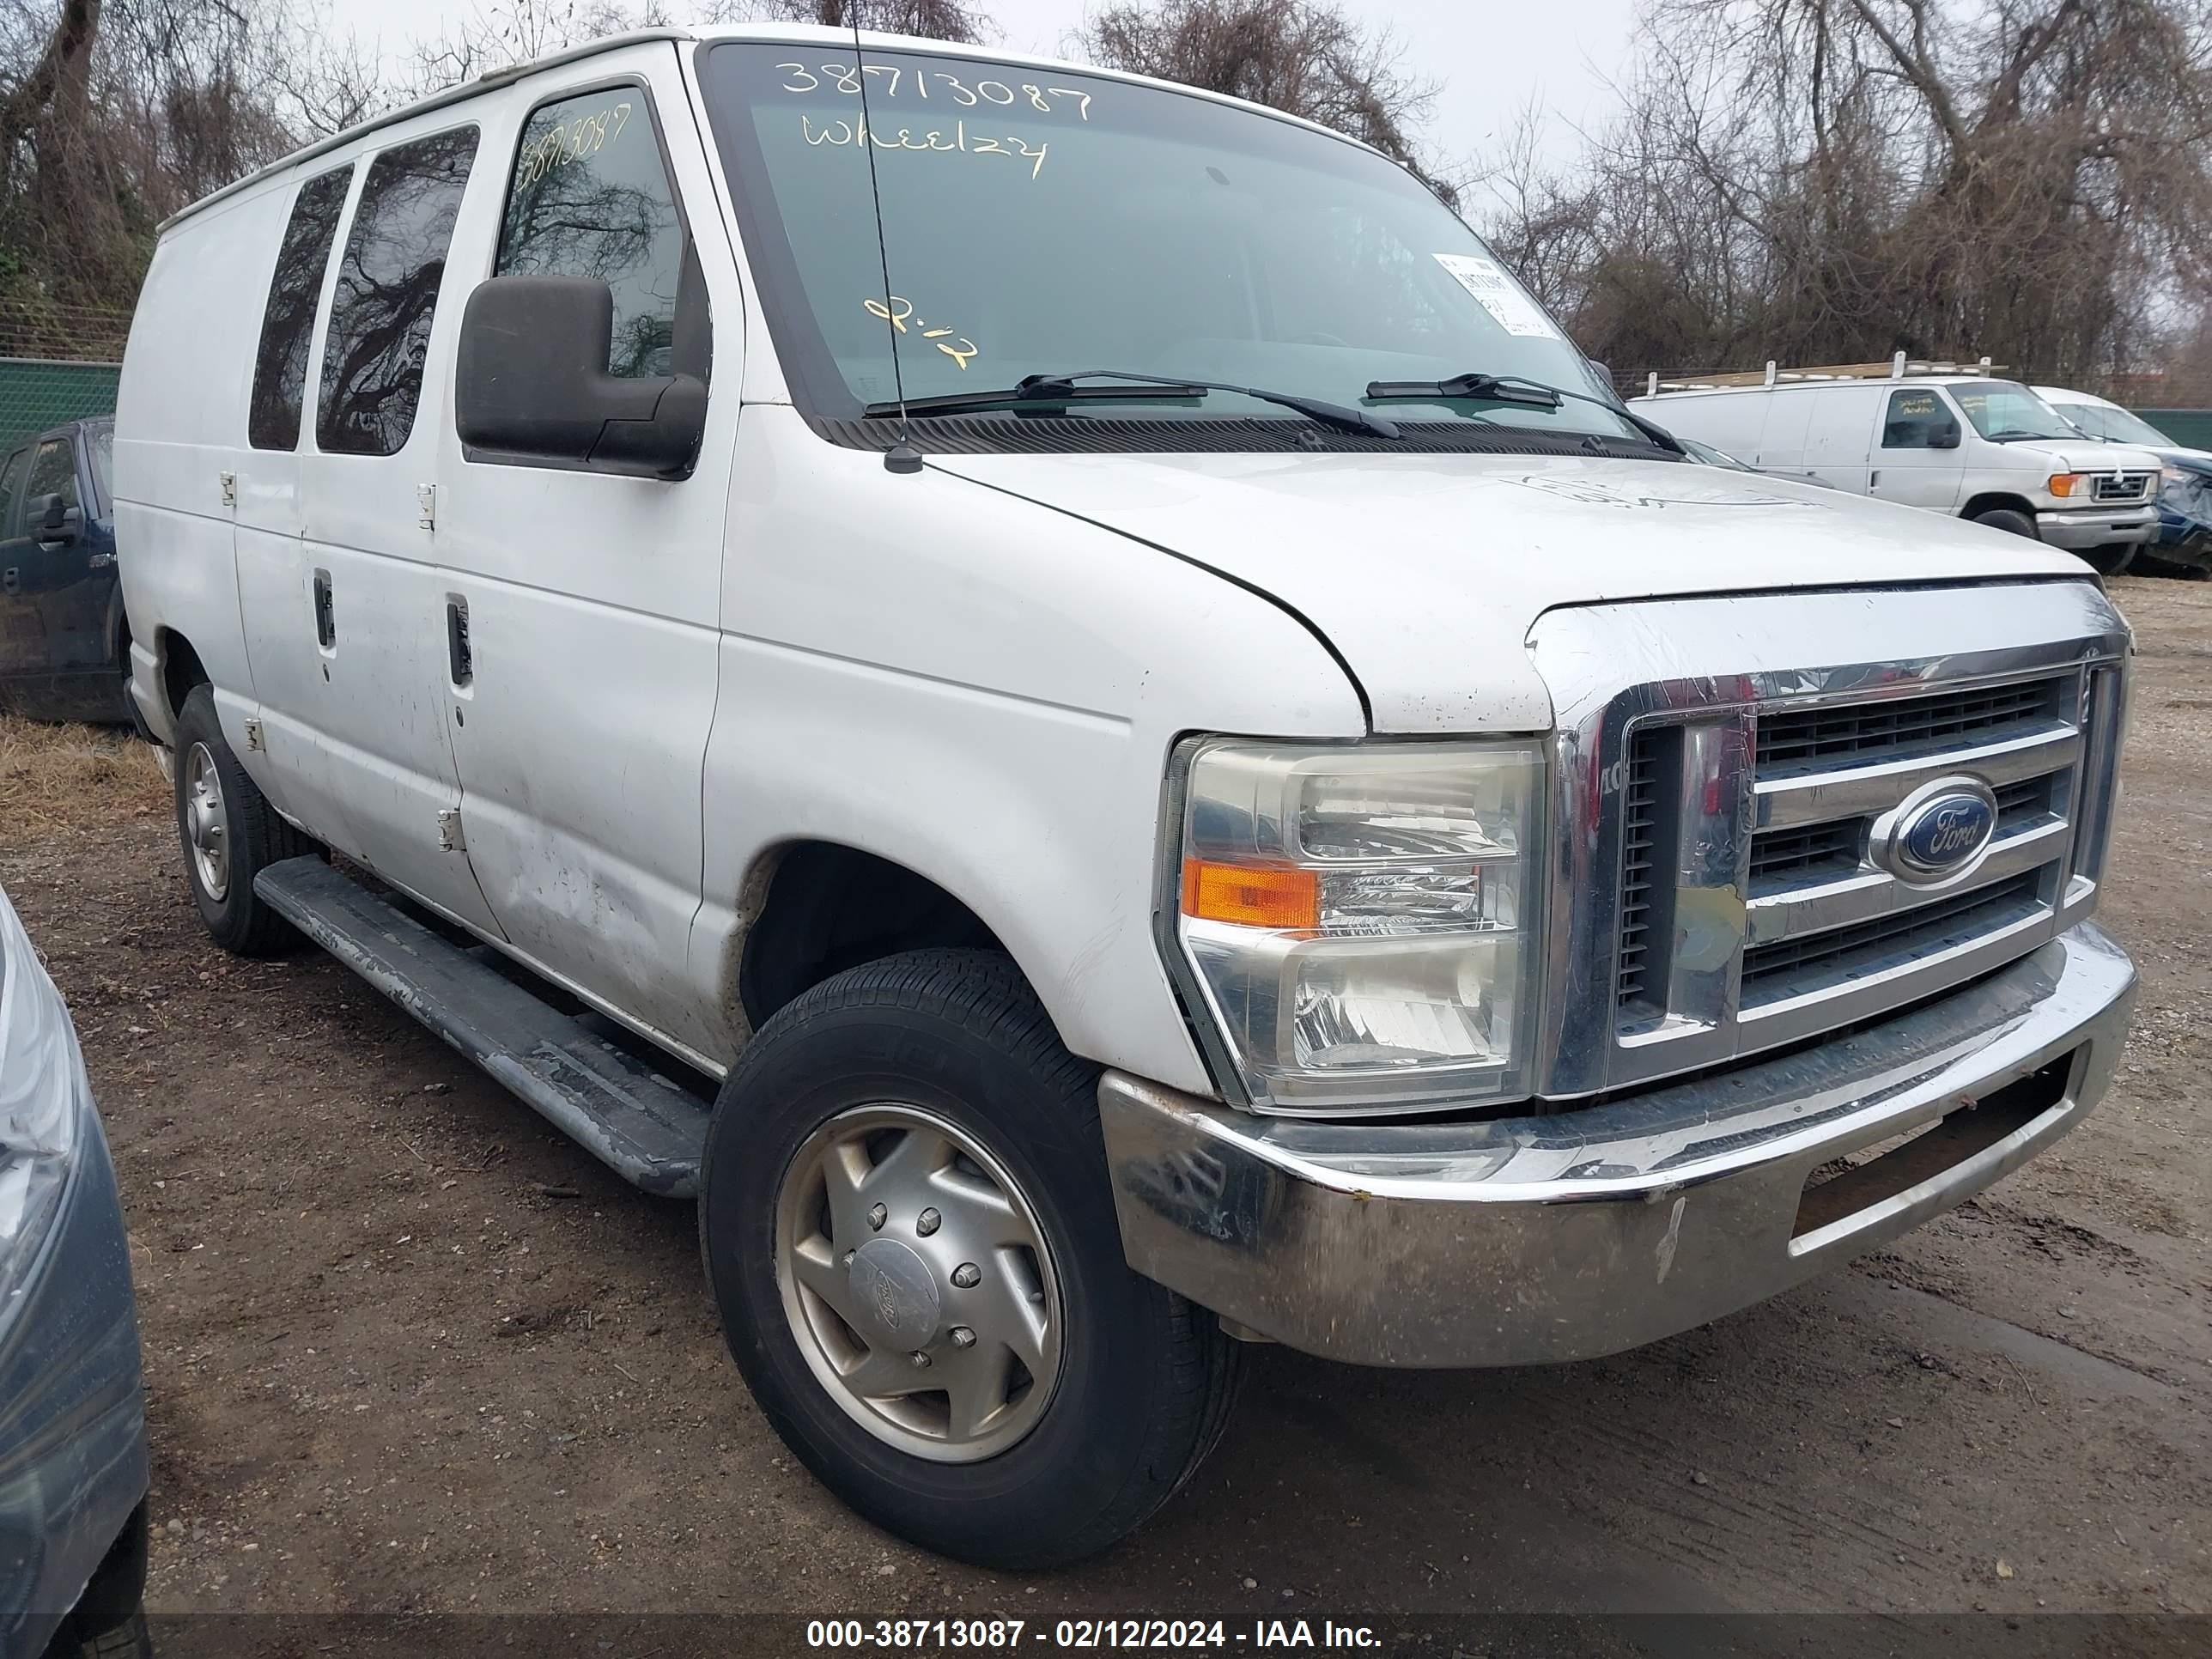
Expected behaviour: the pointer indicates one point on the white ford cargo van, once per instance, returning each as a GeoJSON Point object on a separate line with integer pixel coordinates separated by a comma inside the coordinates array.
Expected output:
{"type": "Point", "coordinates": [1968, 445]}
{"type": "Point", "coordinates": [1148, 761]}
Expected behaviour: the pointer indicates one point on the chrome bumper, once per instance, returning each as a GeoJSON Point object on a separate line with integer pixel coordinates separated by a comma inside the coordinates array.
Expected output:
{"type": "Point", "coordinates": [2080, 529]}
{"type": "Point", "coordinates": [1523, 1240]}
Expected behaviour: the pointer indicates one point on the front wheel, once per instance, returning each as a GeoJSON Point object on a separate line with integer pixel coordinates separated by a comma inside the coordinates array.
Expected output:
{"type": "Point", "coordinates": [2113, 558]}
{"type": "Point", "coordinates": [905, 1219]}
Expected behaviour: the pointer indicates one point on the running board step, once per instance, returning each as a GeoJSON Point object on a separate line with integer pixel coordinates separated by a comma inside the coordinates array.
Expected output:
{"type": "Point", "coordinates": [634, 1121]}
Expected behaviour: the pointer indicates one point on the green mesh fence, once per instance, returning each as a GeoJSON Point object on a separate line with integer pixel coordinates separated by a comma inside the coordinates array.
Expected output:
{"type": "Point", "coordinates": [37, 392]}
{"type": "Point", "coordinates": [2189, 427]}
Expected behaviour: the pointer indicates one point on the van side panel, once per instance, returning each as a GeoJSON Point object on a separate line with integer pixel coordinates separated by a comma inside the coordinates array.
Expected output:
{"type": "Point", "coordinates": [179, 427]}
{"type": "Point", "coordinates": [1727, 420]}
{"type": "Point", "coordinates": [1842, 435]}
{"type": "Point", "coordinates": [990, 698]}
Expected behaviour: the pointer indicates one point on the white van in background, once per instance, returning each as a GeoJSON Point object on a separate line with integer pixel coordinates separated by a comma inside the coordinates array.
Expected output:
{"type": "Point", "coordinates": [1961, 443]}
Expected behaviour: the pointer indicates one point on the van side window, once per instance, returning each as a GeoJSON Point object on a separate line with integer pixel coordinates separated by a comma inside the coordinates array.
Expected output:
{"type": "Point", "coordinates": [53, 473]}
{"type": "Point", "coordinates": [11, 489]}
{"type": "Point", "coordinates": [395, 258]}
{"type": "Point", "coordinates": [590, 195]}
{"type": "Point", "coordinates": [1913, 417]}
{"type": "Point", "coordinates": [280, 366]}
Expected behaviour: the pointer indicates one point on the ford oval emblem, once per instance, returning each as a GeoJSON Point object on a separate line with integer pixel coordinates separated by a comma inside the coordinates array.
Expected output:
{"type": "Point", "coordinates": [1941, 831]}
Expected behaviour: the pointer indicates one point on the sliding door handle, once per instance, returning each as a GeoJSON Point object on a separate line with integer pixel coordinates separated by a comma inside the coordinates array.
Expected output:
{"type": "Point", "coordinates": [459, 659]}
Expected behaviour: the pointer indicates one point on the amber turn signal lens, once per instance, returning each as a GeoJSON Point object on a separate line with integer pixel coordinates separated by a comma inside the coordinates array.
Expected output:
{"type": "Point", "coordinates": [2063, 484]}
{"type": "Point", "coordinates": [1253, 896]}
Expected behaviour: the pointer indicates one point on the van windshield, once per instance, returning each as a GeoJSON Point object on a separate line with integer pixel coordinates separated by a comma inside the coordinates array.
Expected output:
{"type": "Point", "coordinates": [1042, 222]}
{"type": "Point", "coordinates": [2005, 412]}
{"type": "Point", "coordinates": [2114, 426]}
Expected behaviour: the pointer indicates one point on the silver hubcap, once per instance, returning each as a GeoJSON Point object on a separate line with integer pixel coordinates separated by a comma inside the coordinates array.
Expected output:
{"type": "Point", "coordinates": [205, 836]}
{"type": "Point", "coordinates": [918, 1282]}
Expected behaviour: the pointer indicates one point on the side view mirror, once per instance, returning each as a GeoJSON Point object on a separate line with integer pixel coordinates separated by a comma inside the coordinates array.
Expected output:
{"type": "Point", "coordinates": [532, 381]}
{"type": "Point", "coordinates": [1945, 436]}
{"type": "Point", "coordinates": [56, 519]}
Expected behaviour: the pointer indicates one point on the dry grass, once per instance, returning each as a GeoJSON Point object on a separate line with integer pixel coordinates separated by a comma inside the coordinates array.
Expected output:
{"type": "Point", "coordinates": [68, 778]}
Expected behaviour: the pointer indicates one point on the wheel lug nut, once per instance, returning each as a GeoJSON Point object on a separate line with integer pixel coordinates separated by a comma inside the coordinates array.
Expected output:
{"type": "Point", "coordinates": [967, 1275]}
{"type": "Point", "coordinates": [928, 1223]}
{"type": "Point", "coordinates": [963, 1337]}
{"type": "Point", "coordinates": [849, 1254]}
{"type": "Point", "coordinates": [920, 1360]}
{"type": "Point", "coordinates": [876, 1217]}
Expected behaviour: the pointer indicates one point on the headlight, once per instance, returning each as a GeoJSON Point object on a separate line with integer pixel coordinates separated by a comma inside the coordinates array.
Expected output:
{"type": "Point", "coordinates": [1359, 922]}
{"type": "Point", "coordinates": [2063, 484]}
{"type": "Point", "coordinates": [2170, 476]}
{"type": "Point", "coordinates": [42, 1091]}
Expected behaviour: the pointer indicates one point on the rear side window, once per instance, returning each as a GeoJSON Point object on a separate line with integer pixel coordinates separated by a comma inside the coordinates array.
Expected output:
{"type": "Point", "coordinates": [387, 290]}
{"type": "Point", "coordinates": [280, 366]}
{"type": "Point", "coordinates": [11, 489]}
{"type": "Point", "coordinates": [591, 197]}
{"type": "Point", "coordinates": [53, 472]}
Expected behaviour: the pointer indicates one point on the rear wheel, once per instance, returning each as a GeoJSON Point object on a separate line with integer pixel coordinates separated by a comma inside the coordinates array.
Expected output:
{"type": "Point", "coordinates": [229, 834]}
{"type": "Point", "coordinates": [905, 1219]}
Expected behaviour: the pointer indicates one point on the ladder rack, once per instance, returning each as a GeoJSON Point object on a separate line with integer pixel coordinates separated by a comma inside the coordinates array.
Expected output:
{"type": "Point", "coordinates": [1898, 367]}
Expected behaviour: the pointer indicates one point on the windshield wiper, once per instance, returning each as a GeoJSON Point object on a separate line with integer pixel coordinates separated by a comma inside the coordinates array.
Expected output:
{"type": "Point", "coordinates": [1518, 389]}
{"type": "Point", "coordinates": [1062, 389]}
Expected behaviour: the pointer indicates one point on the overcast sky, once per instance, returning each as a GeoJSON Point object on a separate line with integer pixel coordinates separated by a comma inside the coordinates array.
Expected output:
{"type": "Point", "coordinates": [1493, 58]}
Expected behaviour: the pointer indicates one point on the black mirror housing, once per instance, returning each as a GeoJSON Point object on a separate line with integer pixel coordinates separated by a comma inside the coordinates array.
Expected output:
{"type": "Point", "coordinates": [1945, 436]}
{"type": "Point", "coordinates": [53, 515]}
{"type": "Point", "coordinates": [531, 383]}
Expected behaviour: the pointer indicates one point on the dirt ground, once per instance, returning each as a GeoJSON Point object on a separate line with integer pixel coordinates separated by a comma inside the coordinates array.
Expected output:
{"type": "Point", "coordinates": [407, 1349]}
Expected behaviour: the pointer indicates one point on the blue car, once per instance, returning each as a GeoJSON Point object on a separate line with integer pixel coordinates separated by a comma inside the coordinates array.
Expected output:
{"type": "Point", "coordinates": [64, 640]}
{"type": "Point", "coordinates": [2185, 496]}
{"type": "Point", "coordinates": [73, 1458]}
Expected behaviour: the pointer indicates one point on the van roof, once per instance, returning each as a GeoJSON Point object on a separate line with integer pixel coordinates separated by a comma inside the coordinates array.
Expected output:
{"type": "Point", "coordinates": [767, 34]}
{"type": "Point", "coordinates": [1675, 392]}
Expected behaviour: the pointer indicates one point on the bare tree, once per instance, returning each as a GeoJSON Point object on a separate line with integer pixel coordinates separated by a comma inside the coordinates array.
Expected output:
{"type": "Point", "coordinates": [114, 113]}
{"type": "Point", "coordinates": [1305, 57]}
{"type": "Point", "coordinates": [1834, 179]}
{"type": "Point", "coordinates": [937, 20]}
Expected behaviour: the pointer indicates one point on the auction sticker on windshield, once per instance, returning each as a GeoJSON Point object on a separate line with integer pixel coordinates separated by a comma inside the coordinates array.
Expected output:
{"type": "Point", "coordinates": [1501, 297]}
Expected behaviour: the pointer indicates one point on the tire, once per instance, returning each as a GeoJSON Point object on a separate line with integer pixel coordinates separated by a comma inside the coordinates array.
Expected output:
{"type": "Point", "coordinates": [1141, 1380]}
{"type": "Point", "coordinates": [2011, 522]}
{"type": "Point", "coordinates": [131, 1639]}
{"type": "Point", "coordinates": [248, 837]}
{"type": "Point", "coordinates": [2151, 564]}
{"type": "Point", "coordinates": [2113, 558]}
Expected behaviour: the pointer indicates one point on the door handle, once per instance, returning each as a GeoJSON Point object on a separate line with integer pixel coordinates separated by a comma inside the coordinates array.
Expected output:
{"type": "Point", "coordinates": [326, 622]}
{"type": "Point", "coordinates": [459, 658]}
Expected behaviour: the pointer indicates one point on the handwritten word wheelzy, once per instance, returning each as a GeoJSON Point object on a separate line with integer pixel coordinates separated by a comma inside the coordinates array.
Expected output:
{"type": "Point", "coordinates": [962, 141]}
{"type": "Point", "coordinates": [891, 77]}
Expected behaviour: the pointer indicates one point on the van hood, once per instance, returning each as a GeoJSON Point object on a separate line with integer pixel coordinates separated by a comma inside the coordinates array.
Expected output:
{"type": "Point", "coordinates": [1426, 571]}
{"type": "Point", "coordinates": [2082, 455]}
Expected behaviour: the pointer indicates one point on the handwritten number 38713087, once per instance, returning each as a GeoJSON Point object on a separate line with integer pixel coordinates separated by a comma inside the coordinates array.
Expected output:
{"type": "Point", "coordinates": [900, 312]}
{"type": "Point", "coordinates": [887, 79]}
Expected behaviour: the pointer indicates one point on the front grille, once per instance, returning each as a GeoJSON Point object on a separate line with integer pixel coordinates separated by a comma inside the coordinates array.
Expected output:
{"type": "Point", "coordinates": [1793, 855]}
{"type": "Point", "coordinates": [1861, 733]}
{"type": "Point", "coordinates": [2120, 487]}
{"type": "Point", "coordinates": [1640, 832]}
{"type": "Point", "coordinates": [2022, 802]}
{"type": "Point", "coordinates": [1888, 941]}
{"type": "Point", "coordinates": [1784, 858]}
